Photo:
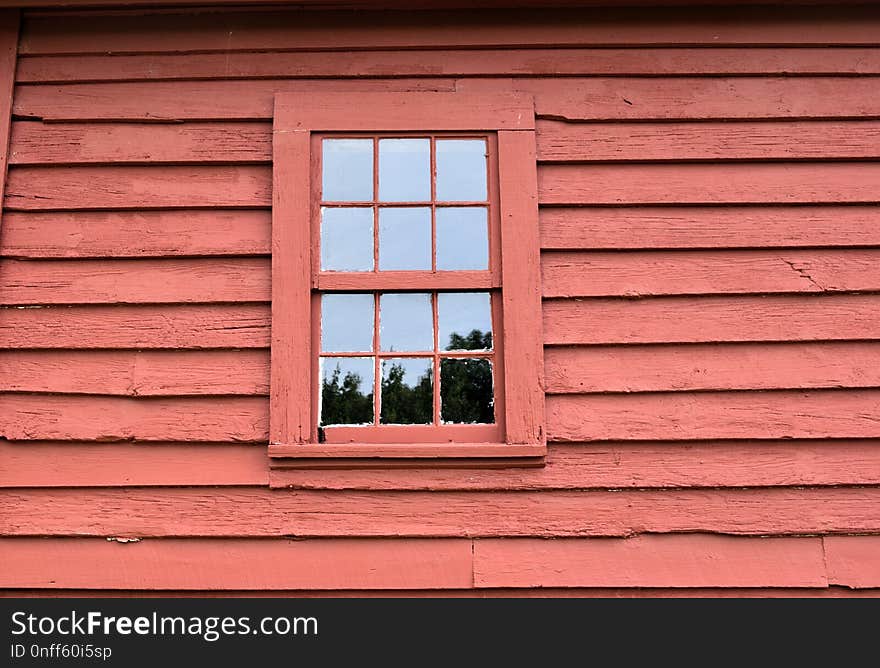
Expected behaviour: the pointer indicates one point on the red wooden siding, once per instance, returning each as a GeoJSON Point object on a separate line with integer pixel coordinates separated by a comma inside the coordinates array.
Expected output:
{"type": "Point", "coordinates": [710, 226]}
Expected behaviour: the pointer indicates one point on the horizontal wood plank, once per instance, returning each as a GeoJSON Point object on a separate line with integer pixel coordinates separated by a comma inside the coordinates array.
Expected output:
{"type": "Point", "coordinates": [655, 561]}
{"type": "Point", "coordinates": [737, 140]}
{"type": "Point", "coordinates": [783, 183]}
{"type": "Point", "coordinates": [35, 143]}
{"type": "Point", "coordinates": [239, 564]}
{"type": "Point", "coordinates": [168, 326]}
{"type": "Point", "coordinates": [711, 415]}
{"type": "Point", "coordinates": [709, 227]}
{"type": "Point", "coordinates": [853, 561]}
{"type": "Point", "coordinates": [217, 31]}
{"type": "Point", "coordinates": [88, 464]}
{"type": "Point", "coordinates": [135, 281]}
{"type": "Point", "coordinates": [142, 233]}
{"type": "Point", "coordinates": [91, 418]}
{"type": "Point", "coordinates": [436, 63]}
{"type": "Point", "coordinates": [574, 99]}
{"type": "Point", "coordinates": [631, 464]}
{"type": "Point", "coordinates": [136, 373]}
{"type": "Point", "coordinates": [130, 187]}
{"type": "Point", "coordinates": [717, 366]}
{"type": "Point", "coordinates": [711, 319]}
{"type": "Point", "coordinates": [194, 512]}
{"type": "Point", "coordinates": [160, 102]}
{"type": "Point", "coordinates": [650, 98]}
{"type": "Point", "coordinates": [637, 273]}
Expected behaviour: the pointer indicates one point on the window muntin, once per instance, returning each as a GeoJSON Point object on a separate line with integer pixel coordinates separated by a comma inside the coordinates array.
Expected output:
{"type": "Point", "coordinates": [424, 216]}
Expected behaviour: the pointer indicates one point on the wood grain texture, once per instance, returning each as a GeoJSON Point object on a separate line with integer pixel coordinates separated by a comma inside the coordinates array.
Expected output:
{"type": "Point", "coordinates": [733, 140]}
{"type": "Point", "coordinates": [167, 326]}
{"type": "Point", "coordinates": [654, 561]}
{"type": "Point", "coordinates": [631, 464]}
{"type": "Point", "coordinates": [143, 233]}
{"type": "Point", "coordinates": [521, 274]}
{"type": "Point", "coordinates": [9, 33]}
{"type": "Point", "coordinates": [216, 31]}
{"type": "Point", "coordinates": [242, 512]}
{"type": "Point", "coordinates": [635, 273]}
{"type": "Point", "coordinates": [89, 464]}
{"type": "Point", "coordinates": [134, 281]}
{"type": "Point", "coordinates": [136, 372]}
{"type": "Point", "coordinates": [719, 366]}
{"type": "Point", "coordinates": [580, 99]}
{"type": "Point", "coordinates": [709, 227]}
{"type": "Point", "coordinates": [91, 418]}
{"type": "Point", "coordinates": [240, 564]}
{"type": "Point", "coordinates": [853, 561]}
{"type": "Point", "coordinates": [710, 415]}
{"type": "Point", "coordinates": [129, 187]}
{"type": "Point", "coordinates": [457, 63]}
{"type": "Point", "coordinates": [711, 319]}
{"type": "Point", "coordinates": [680, 98]}
{"type": "Point", "coordinates": [783, 183]}
{"type": "Point", "coordinates": [35, 143]}
{"type": "Point", "coordinates": [163, 102]}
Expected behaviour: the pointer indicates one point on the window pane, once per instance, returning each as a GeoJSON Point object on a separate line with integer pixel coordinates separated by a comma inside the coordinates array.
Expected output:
{"type": "Point", "coordinates": [407, 391]}
{"type": "Point", "coordinates": [406, 322]}
{"type": "Point", "coordinates": [462, 238]}
{"type": "Point", "coordinates": [404, 238]}
{"type": "Point", "coordinates": [346, 323]}
{"type": "Point", "coordinates": [466, 391]}
{"type": "Point", "coordinates": [346, 239]}
{"type": "Point", "coordinates": [405, 170]}
{"type": "Point", "coordinates": [461, 170]}
{"type": "Point", "coordinates": [346, 390]}
{"type": "Point", "coordinates": [464, 321]}
{"type": "Point", "coordinates": [347, 170]}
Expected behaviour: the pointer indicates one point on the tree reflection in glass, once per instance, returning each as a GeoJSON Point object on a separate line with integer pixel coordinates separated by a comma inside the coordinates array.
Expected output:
{"type": "Point", "coordinates": [343, 401]}
{"type": "Point", "coordinates": [407, 391]}
{"type": "Point", "coordinates": [466, 390]}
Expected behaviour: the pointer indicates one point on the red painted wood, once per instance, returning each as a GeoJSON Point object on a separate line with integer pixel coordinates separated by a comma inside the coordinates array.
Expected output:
{"type": "Point", "coordinates": [9, 29]}
{"type": "Point", "coordinates": [853, 561]}
{"type": "Point", "coordinates": [134, 281]}
{"type": "Point", "coordinates": [136, 373]}
{"type": "Point", "coordinates": [520, 62]}
{"type": "Point", "coordinates": [783, 183]}
{"type": "Point", "coordinates": [709, 227]}
{"type": "Point", "coordinates": [710, 415]}
{"type": "Point", "coordinates": [690, 367]}
{"type": "Point", "coordinates": [652, 561]}
{"type": "Point", "coordinates": [143, 233]}
{"type": "Point", "coordinates": [593, 98]}
{"type": "Point", "coordinates": [198, 100]}
{"type": "Point", "coordinates": [85, 418]}
{"type": "Point", "coordinates": [35, 143]}
{"type": "Point", "coordinates": [648, 98]}
{"type": "Point", "coordinates": [167, 326]}
{"type": "Point", "coordinates": [38, 188]}
{"type": "Point", "coordinates": [711, 319]}
{"type": "Point", "coordinates": [543, 592]}
{"type": "Point", "coordinates": [634, 273]}
{"type": "Point", "coordinates": [632, 464]}
{"type": "Point", "coordinates": [292, 384]}
{"type": "Point", "coordinates": [217, 31]}
{"type": "Point", "coordinates": [740, 140]}
{"type": "Point", "coordinates": [240, 512]}
{"type": "Point", "coordinates": [240, 564]}
{"type": "Point", "coordinates": [66, 464]}
{"type": "Point", "coordinates": [521, 267]}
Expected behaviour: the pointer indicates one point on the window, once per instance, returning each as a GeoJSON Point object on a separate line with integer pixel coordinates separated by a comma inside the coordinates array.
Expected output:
{"type": "Point", "coordinates": [406, 302]}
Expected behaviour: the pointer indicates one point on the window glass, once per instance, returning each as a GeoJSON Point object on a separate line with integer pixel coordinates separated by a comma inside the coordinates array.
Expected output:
{"type": "Point", "coordinates": [404, 238]}
{"type": "Point", "coordinates": [407, 390]}
{"type": "Point", "coordinates": [464, 321]}
{"type": "Point", "coordinates": [346, 323]}
{"type": "Point", "coordinates": [406, 322]}
{"type": "Point", "coordinates": [405, 170]}
{"type": "Point", "coordinates": [346, 390]}
{"type": "Point", "coordinates": [346, 239]}
{"type": "Point", "coordinates": [466, 391]}
{"type": "Point", "coordinates": [347, 170]}
{"type": "Point", "coordinates": [461, 170]}
{"type": "Point", "coordinates": [462, 238]}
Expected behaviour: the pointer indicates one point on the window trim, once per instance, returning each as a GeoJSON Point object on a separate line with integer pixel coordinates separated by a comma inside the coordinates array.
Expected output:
{"type": "Point", "coordinates": [510, 116]}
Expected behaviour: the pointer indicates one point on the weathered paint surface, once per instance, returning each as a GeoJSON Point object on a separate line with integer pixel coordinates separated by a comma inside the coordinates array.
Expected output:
{"type": "Point", "coordinates": [709, 221]}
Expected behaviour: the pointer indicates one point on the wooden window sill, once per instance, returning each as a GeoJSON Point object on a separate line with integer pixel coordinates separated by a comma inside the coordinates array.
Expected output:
{"type": "Point", "coordinates": [406, 455]}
